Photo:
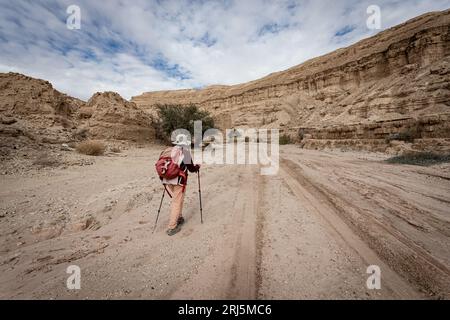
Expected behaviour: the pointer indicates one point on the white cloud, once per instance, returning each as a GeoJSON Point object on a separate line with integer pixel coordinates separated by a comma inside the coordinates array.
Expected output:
{"type": "Point", "coordinates": [136, 46]}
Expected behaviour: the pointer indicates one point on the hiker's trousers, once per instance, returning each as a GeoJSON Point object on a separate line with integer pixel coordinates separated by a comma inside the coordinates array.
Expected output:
{"type": "Point", "coordinates": [176, 207]}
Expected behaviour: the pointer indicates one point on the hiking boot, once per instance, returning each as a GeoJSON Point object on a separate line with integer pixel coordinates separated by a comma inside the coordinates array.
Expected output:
{"type": "Point", "coordinates": [171, 232]}
{"type": "Point", "coordinates": [180, 221]}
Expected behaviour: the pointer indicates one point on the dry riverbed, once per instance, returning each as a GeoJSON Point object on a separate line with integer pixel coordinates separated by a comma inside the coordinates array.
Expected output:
{"type": "Point", "coordinates": [308, 232]}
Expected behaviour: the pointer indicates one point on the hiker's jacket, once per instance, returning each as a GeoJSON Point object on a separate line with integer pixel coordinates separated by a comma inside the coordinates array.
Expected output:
{"type": "Point", "coordinates": [181, 156]}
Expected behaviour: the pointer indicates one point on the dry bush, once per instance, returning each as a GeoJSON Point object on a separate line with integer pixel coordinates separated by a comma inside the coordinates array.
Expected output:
{"type": "Point", "coordinates": [407, 135]}
{"type": "Point", "coordinates": [91, 148]}
{"type": "Point", "coordinates": [72, 144]}
{"type": "Point", "coordinates": [420, 159]}
{"type": "Point", "coordinates": [115, 149]}
{"type": "Point", "coordinates": [46, 160]}
{"type": "Point", "coordinates": [301, 134]}
{"type": "Point", "coordinates": [80, 134]}
{"type": "Point", "coordinates": [285, 139]}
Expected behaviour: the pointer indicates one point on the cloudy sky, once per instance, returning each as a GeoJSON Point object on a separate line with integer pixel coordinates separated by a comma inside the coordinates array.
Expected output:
{"type": "Point", "coordinates": [142, 45]}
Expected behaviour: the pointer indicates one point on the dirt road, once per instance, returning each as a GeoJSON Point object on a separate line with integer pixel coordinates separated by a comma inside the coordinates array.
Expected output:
{"type": "Point", "coordinates": [309, 232]}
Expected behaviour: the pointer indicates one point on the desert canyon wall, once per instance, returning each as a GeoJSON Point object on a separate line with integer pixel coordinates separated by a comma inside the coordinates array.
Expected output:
{"type": "Point", "coordinates": [33, 113]}
{"type": "Point", "coordinates": [31, 109]}
{"type": "Point", "coordinates": [394, 82]}
{"type": "Point", "coordinates": [108, 116]}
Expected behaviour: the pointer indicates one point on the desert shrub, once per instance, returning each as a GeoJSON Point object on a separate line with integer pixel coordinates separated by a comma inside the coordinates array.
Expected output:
{"type": "Point", "coordinates": [72, 144]}
{"type": "Point", "coordinates": [115, 149]}
{"type": "Point", "coordinates": [80, 134]}
{"type": "Point", "coordinates": [420, 159]}
{"type": "Point", "coordinates": [301, 134]}
{"type": "Point", "coordinates": [407, 135]}
{"type": "Point", "coordinates": [91, 148]}
{"type": "Point", "coordinates": [46, 160]}
{"type": "Point", "coordinates": [172, 117]}
{"type": "Point", "coordinates": [285, 139]}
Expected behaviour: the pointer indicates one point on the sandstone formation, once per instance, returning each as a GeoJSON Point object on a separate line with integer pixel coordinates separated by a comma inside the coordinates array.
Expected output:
{"type": "Point", "coordinates": [31, 108]}
{"type": "Point", "coordinates": [33, 113]}
{"type": "Point", "coordinates": [394, 83]}
{"type": "Point", "coordinates": [377, 87]}
{"type": "Point", "coordinates": [108, 116]}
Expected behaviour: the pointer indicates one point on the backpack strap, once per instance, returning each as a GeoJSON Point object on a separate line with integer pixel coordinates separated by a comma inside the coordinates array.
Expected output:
{"type": "Point", "coordinates": [183, 176]}
{"type": "Point", "coordinates": [165, 187]}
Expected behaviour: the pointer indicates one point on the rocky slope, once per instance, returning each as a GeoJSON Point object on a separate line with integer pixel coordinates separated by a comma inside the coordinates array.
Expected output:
{"type": "Point", "coordinates": [108, 116]}
{"type": "Point", "coordinates": [395, 83]}
{"type": "Point", "coordinates": [39, 123]}
{"type": "Point", "coordinates": [31, 108]}
{"type": "Point", "coordinates": [401, 74]}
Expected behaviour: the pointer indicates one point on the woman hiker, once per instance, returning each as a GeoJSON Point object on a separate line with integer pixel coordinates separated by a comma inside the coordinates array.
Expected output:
{"type": "Point", "coordinates": [176, 187]}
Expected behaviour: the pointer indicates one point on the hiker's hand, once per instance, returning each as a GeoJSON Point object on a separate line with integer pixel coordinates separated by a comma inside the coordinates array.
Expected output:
{"type": "Point", "coordinates": [197, 168]}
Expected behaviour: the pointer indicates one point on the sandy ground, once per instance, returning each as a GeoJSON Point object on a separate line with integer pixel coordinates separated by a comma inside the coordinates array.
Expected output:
{"type": "Point", "coordinates": [308, 232]}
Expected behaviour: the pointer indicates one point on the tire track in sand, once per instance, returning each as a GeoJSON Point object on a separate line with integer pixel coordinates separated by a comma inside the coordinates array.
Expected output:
{"type": "Point", "coordinates": [245, 269]}
{"type": "Point", "coordinates": [316, 203]}
{"type": "Point", "coordinates": [230, 270]}
{"type": "Point", "coordinates": [400, 254]}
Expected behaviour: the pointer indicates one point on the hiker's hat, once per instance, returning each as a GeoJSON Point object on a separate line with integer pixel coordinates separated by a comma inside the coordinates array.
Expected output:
{"type": "Point", "coordinates": [182, 140]}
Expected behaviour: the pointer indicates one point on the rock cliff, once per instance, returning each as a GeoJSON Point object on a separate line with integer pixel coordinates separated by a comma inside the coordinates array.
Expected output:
{"type": "Point", "coordinates": [33, 112]}
{"type": "Point", "coordinates": [32, 108]}
{"type": "Point", "coordinates": [108, 116]}
{"type": "Point", "coordinates": [400, 74]}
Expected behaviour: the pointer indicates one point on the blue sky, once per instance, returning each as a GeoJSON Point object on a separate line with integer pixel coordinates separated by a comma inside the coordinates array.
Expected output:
{"type": "Point", "coordinates": [135, 46]}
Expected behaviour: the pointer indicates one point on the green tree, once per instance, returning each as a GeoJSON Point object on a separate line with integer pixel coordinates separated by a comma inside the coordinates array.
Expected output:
{"type": "Point", "coordinates": [175, 116]}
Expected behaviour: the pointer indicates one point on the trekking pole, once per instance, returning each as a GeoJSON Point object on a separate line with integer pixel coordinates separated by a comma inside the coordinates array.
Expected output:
{"type": "Point", "coordinates": [200, 196]}
{"type": "Point", "coordinates": [160, 205]}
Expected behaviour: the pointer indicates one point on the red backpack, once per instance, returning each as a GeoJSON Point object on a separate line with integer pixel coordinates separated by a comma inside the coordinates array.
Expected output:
{"type": "Point", "coordinates": [166, 167]}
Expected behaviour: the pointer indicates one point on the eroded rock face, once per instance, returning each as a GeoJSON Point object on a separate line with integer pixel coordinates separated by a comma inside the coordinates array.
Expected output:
{"type": "Point", "coordinates": [35, 115]}
{"type": "Point", "coordinates": [108, 116]}
{"type": "Point", "coordinates": [401, 73]}
{"type": "Point", "coordinates": [394, 81]}
{"type": "Point", "coordinates": [31, 108]}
